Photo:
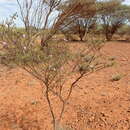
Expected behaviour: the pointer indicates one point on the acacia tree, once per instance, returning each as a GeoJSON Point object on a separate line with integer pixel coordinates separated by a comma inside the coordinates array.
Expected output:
{"type": "Point", "coordinates": [83, 20]}
{"type": "Point", "coordinates": [49, 62]}
{"type": "Point", "coordinates": [113, 16]}
{"type": "Point", "coordinates": [80, 27]}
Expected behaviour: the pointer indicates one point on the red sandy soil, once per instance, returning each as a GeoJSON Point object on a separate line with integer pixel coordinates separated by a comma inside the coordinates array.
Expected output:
{"type": "Point", "coordinates": [96, 104]}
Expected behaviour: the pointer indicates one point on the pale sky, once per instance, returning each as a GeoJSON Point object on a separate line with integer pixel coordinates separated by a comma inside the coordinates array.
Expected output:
{"type": "Point", "coordinates": [9, 7]}
{"type": "Point", "coordinates": [127, 2]}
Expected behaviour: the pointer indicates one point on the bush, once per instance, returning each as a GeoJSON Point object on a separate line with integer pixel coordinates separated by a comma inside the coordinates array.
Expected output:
{"type": "Point", "coordinates": [116, 77]}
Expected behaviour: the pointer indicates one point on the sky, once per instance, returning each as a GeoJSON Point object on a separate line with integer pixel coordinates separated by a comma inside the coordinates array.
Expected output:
{"type": "Point", "coordinates": [127, 2]}
{"type": "Point", "coordinates": [9, 7]}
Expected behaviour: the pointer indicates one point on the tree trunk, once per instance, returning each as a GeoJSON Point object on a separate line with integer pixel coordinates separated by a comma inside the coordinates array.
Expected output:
{"type": "Point", "coordinates": [109, 36]}
{"type": "Point", "coordinates": [81, 38]}
{"type": "Point", "coordinates": [51, 109]}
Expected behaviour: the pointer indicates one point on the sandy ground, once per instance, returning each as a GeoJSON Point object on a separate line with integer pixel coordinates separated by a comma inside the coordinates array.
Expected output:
{"type": "Point", "coordinates": [96, 104]}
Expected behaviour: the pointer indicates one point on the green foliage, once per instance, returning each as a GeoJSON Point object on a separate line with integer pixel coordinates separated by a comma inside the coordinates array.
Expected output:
{"type": "Point", "coordinates": [81, 21]}
{"type": "Point", "coordinates": [124, 30]}
{"type": "Point", "coordinates": [113, 15]}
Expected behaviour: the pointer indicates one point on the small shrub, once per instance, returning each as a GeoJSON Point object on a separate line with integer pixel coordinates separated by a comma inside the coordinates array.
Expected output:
{"type": "Point", "coordinates": [116, 77]}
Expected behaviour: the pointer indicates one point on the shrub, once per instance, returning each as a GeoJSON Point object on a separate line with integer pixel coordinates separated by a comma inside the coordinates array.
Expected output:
{"type": "Point", "coordinates": [116, 77]}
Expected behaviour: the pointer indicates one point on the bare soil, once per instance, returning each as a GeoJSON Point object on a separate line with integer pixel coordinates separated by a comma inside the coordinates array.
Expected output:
{"type": "Point", "coordinates": [96, 104]}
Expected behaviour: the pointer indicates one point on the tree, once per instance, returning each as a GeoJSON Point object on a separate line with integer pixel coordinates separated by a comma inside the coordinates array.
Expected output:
{"type": "Point", "coordinates": [80, 27]}
{"type": "Point", "coordinates": [84, 26]}
{"type": "Point", "coordinates": [52, 64]}
{"type": "Point", "coordinates": [113, 15]}
{"type": "Point", "coordinates": [83, 20]}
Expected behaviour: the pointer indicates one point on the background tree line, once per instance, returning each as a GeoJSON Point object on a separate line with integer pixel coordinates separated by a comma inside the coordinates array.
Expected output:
{"type": "Point", "coordinates": [101, 17]}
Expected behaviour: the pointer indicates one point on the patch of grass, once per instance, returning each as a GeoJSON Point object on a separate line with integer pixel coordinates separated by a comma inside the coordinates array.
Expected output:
{"type": "Point", "coordinates": [60, 127]}
{"type": "Point", "coordinates": [116, 77]}
{"type": "Point", "coordinates": [63, 128]}
{"type": "Point", "coordinates": [31, 83]}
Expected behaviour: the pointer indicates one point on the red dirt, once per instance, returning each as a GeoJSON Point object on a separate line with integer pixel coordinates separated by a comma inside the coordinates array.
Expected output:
{"type": "Point", "coordinates": [96, 104]}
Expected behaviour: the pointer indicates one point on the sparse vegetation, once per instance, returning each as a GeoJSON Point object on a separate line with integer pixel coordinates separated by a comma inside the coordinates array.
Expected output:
{"type": "Point", "coordinates": [52, 61]}
{"type": "Point", "coordinates": [113, 16]}
{"type": "Point", "coordinates": [49, 62]}
{"type": "Point", "coordinates": [116, 77]}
